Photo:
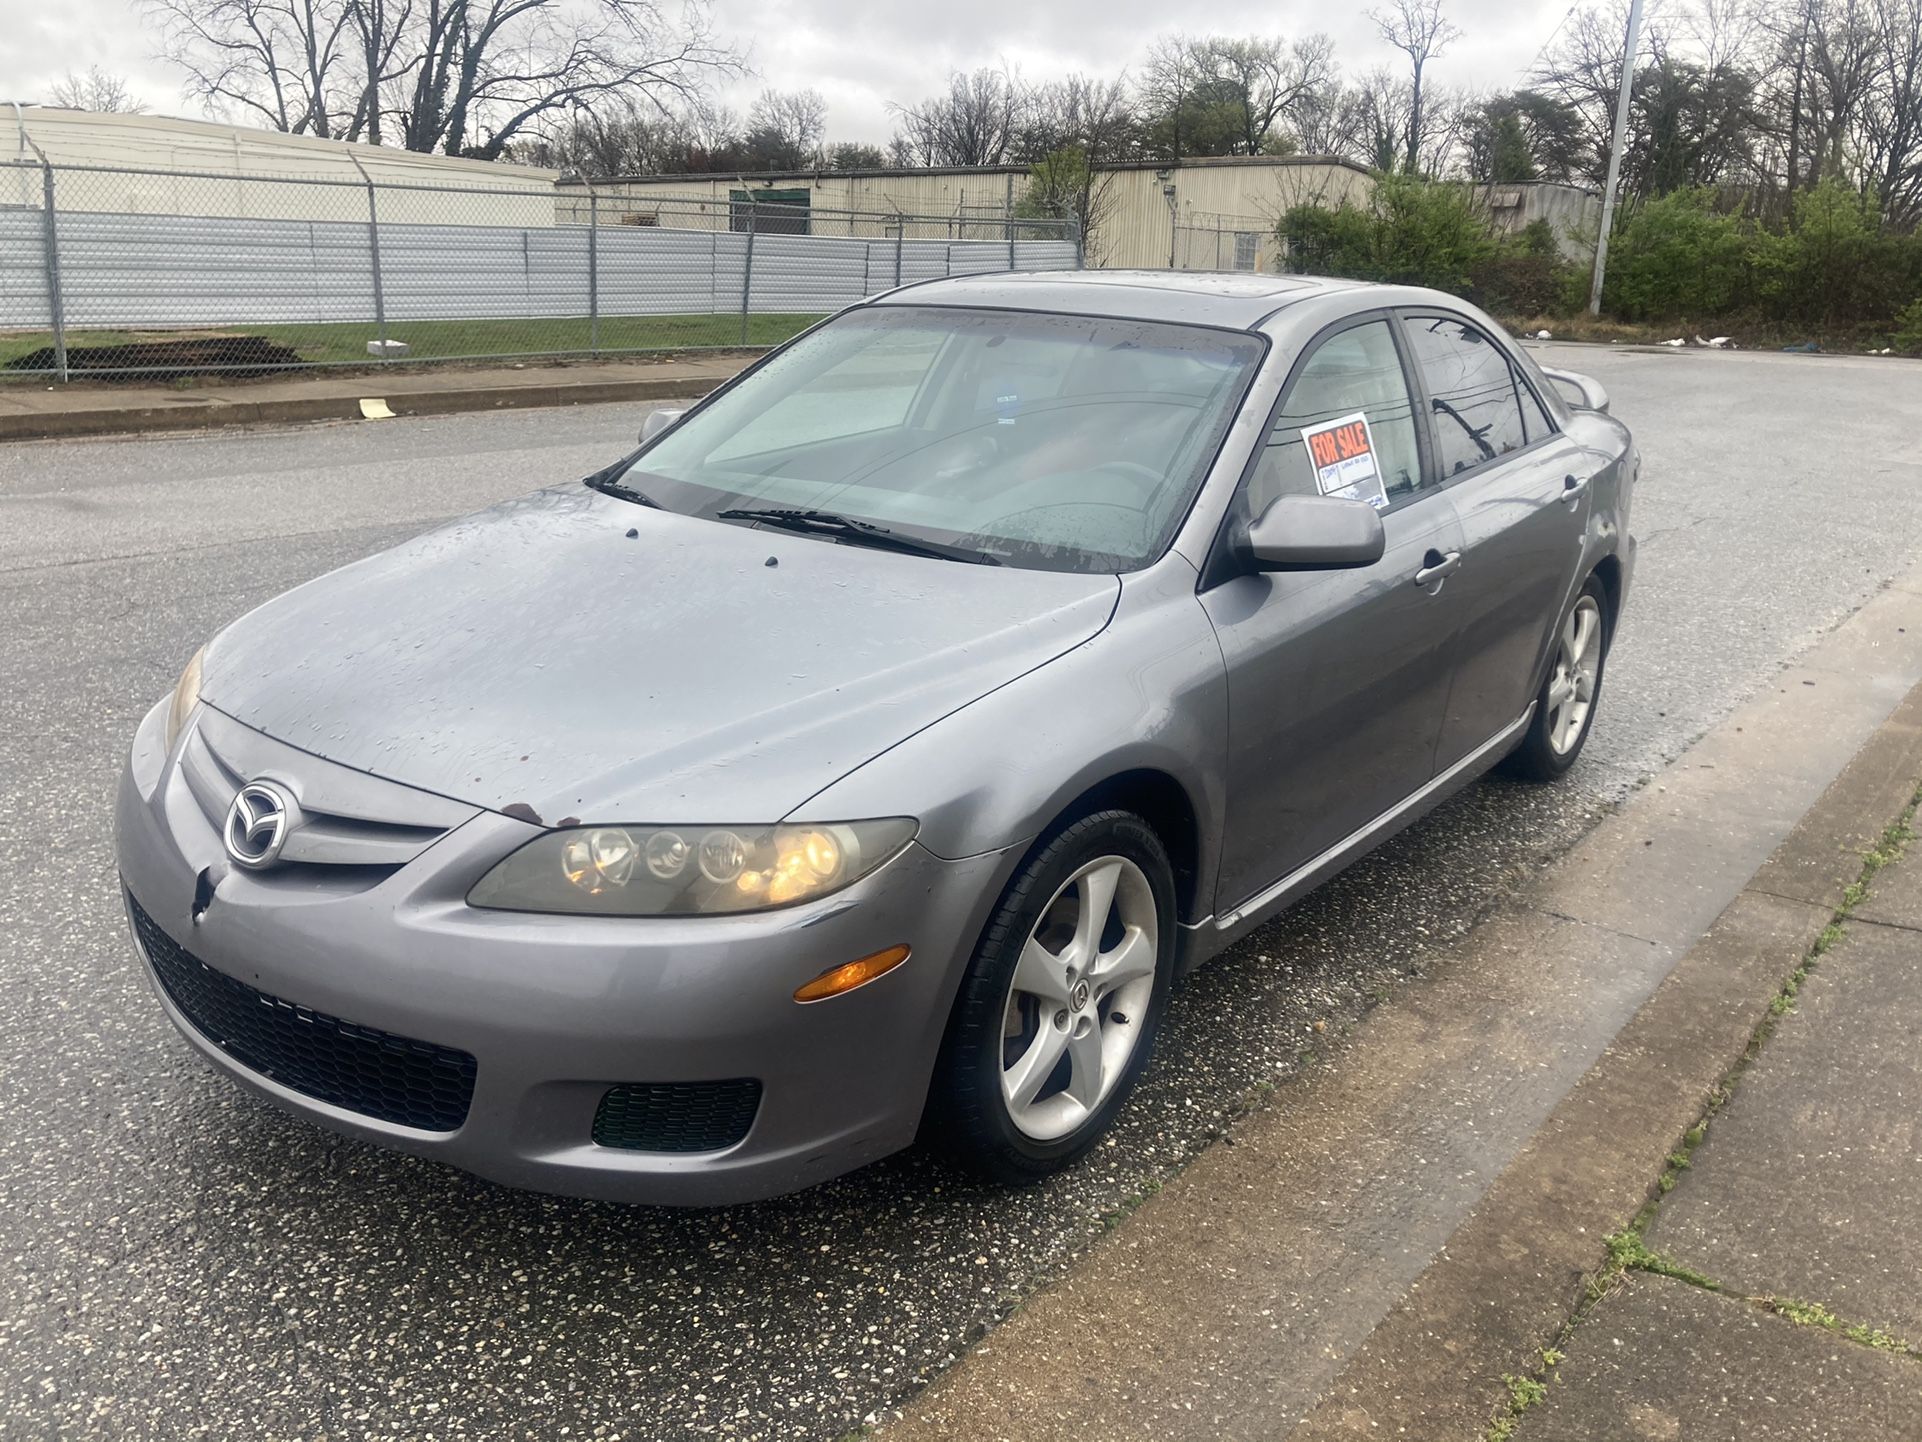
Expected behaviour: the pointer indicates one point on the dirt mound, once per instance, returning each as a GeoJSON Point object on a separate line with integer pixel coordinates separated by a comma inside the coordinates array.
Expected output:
{"type": "Point", "coordinates": [165, 359]}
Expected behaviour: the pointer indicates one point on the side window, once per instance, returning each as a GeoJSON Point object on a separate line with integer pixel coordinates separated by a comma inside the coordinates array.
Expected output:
{"type": "Point", "coordinates": [1482, 411]}
{"type": "Point", "coordinates": [1346, 426]}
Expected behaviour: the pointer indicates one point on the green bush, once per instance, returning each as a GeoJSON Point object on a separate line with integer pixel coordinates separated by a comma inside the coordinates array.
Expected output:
{"type": "Point", "coordinates": [1432, 233]}
{"type": "Point", "coordinates": [1836, 262]}
{"type": "Point", "coordinates": [1410, 231]}
{"type": "Point", "coordinates": [1908, 336]}
{"type": "Point", "coordinates": [1520, 281]}
{"type": "Point", "coordinates": [1679, 256]}
{"type": "Point", "coordinates": [1831, 264]}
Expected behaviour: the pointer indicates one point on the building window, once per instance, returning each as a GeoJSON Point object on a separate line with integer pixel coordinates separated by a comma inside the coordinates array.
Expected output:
{"type": "Point", "coordinates": [1247, 250]}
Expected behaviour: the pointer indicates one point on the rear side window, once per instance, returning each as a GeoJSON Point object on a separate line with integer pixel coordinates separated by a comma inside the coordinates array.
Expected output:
{"type": "Point", "coordinates": [1355, 373]}
{"type": "Point", "coordinates": [1482, 410]}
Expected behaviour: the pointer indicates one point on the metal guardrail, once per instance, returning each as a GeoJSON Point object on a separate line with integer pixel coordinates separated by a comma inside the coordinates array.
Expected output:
{"type": "Point", "coordinates": [114, 272]}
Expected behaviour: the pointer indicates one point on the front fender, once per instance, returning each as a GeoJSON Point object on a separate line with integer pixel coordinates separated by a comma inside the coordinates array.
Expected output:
{"type": "Point", "coordinates": [1147, 694]}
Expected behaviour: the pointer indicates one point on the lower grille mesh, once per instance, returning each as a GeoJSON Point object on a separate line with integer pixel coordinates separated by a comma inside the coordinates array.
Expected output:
{"type": "Point", "coordinates": [677, 1116]}
{"type": "Point", "coordinates": [391, 1078]}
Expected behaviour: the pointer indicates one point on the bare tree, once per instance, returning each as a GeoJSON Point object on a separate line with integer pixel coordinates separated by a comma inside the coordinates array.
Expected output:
{"type": "Point", "coordinates": [1078, 110]}
{"type": "Point", "coordinates": [1892, 117]}
{"type": "Point", "coordinates": [1224, 95]}
{"type": "Point", "coordinates": [975, 122]}
{"type": "Point", "coordinates": [466, 77]}
{"type": "Point", "coordinates": [1169, 77]}
{"type": "Point", "coordinates": [97, 90]}
{"type": "Point", "coordinates": [1269, 79]}
{"type": "Point", "coordinates": [278, 62]}
{"type": "Point", "coordinates": [1420, 31]}
{"type": "Point", "coordinates": [785, 129]}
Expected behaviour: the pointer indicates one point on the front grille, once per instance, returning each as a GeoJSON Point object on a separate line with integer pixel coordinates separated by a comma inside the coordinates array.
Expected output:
{"type": "Point", "coordinates": [392, 1078]}
{"type": "Point", "coordinates": [677, 1116]}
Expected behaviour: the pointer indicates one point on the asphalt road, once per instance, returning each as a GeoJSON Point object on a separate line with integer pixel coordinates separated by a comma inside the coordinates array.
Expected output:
{"type": "Point", "coordinates": [183, 1261]}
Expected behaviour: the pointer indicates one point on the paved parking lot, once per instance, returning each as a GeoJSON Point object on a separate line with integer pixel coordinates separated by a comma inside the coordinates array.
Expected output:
{"type": "Point", "coordinates": [183, 1261]}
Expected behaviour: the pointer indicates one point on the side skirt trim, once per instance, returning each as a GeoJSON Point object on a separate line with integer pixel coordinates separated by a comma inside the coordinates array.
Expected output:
{"type": "Point", "coordinates": [1303, 877]}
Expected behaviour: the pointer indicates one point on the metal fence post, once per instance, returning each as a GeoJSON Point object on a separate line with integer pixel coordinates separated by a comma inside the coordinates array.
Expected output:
{"type": "Point", "coordinates": [373, 247]}
{"type": "Point", "coordinates": [593, 271]}
{"type": "Point", "coordinates": [1011, 238]}
{"type": "Point", "coordinates": [900, 232]}
{"type": "Point", "coordinates": [50, 261]}
{"type": "Point", "coordinates": [747, 266]}
{"type": "Point", "coordinates": [1080, 244]}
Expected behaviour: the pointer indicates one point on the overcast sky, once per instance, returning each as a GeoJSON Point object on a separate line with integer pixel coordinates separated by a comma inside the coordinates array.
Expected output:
{"type": "Point", "coordinates": [860, 54]}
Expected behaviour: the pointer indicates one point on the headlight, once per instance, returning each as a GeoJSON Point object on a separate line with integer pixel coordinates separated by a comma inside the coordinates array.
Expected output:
{"type": "Point", "coordinates": [186, 697]}
{"type": "Point", "coordinates": [680, 870]}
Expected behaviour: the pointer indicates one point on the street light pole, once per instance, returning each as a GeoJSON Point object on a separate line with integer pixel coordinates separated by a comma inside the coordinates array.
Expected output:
{"type": "Point", "coordinates": [1615, 155]}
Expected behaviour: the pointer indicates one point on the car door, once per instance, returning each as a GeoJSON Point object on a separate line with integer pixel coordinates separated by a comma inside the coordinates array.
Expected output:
{"type": "Point", "coordinates": [1514, 480]}
{"type": "Point", "coordinates": [1336, 679]}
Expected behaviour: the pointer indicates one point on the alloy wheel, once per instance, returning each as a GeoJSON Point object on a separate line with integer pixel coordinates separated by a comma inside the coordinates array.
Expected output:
{"type": "Point", "coordinates": [1079, 998]}
{"type": "Point", "coordinates": [1578, 666]}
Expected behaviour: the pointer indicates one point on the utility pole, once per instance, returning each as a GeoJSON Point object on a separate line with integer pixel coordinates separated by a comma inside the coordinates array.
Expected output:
{"type": "Point", "coordinates": [1615, 155]}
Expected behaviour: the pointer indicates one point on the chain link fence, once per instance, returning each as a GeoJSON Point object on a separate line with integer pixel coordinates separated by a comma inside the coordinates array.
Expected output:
{"type": "Point", "coordinates": [1204, 241]}
{"type": "Point", "coordinates": [113, 273]}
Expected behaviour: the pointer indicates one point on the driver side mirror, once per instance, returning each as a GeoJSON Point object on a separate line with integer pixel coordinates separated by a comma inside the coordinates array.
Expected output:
{"type": "Point", "coordinates": [1314, 533]}
{"type": "Point", "coordinates": [658, 421]}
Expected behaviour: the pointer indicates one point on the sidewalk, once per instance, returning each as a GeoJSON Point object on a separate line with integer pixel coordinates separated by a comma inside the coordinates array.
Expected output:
{"type": "Point", "coordinates": [32, 411]}
{"type": "Point", "coordinates": [1776, 1290]}
{"type": "Point", "coordinates": [1394, 1243]}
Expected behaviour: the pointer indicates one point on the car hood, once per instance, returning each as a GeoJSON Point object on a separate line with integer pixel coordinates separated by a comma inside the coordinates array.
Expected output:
{"type": "Point", "coordinates": [570, 655]}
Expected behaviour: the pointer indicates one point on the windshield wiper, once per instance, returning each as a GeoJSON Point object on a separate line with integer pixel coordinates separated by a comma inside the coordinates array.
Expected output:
{"type": "Point", "coordinates": [864, 533]}
{"type": "Point", "coordinates": [608, 486]}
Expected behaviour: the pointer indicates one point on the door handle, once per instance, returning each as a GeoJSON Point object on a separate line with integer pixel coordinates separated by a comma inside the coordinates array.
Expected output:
{"type": "Point", "coordinates": [1438, 567]}
{"type": "Point", "coordinates": [1573, 487]}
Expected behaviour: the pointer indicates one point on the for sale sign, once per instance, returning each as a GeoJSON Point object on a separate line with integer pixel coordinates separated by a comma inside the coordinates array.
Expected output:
{"type": "Point", "coordinates": [1343, 455]}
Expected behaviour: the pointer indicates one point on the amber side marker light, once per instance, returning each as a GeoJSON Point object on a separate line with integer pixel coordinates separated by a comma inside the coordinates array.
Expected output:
{"type": "Point", "coordinates": [852, 974]}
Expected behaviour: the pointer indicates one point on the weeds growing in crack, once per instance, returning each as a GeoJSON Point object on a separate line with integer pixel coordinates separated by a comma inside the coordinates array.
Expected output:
{"type": "Point", "coordinates": [1814, 1314]}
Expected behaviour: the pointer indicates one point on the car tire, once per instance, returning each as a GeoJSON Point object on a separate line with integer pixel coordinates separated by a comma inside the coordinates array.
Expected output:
{"type": "Point", "coordinates": [1565, 705]}
{"type": "Point", "coordinates": [1041, 1016]}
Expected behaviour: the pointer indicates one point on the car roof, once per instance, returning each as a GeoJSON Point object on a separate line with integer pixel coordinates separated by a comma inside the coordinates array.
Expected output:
{"type": "Point", "coordinates": [1237, 299]}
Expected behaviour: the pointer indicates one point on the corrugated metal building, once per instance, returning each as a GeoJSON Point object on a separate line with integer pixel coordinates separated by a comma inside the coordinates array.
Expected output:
{"type": "Point", "coordinates": [162, 165]}
{"type": "Point", "coordinates": [1213, 213]}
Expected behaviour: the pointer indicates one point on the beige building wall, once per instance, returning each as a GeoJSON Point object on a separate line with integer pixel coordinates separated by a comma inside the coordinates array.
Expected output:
{"type": "Point", "coordinates": [120, 162]}
{"type": "Point", "coordinates": [1138, 222]}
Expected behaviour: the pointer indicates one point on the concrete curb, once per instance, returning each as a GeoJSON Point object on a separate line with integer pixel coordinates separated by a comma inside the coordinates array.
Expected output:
{"type": "Point", "coordinates": [1411, 1218]}
{"type": "Point", "coordinates": [203, 414]}
{"type": "Point", "coordinates": [1513, 1272]}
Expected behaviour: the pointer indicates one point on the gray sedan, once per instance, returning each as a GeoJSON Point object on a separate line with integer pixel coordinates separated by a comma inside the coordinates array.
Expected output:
{"type": "Point", "coordinates": [867, 755]}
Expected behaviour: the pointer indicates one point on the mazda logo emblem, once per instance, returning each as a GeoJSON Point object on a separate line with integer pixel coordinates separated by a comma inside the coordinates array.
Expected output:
{"type": "Point", "coordinates": [258, 822]}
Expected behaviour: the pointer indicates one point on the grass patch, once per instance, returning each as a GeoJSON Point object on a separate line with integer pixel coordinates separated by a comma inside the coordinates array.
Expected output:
{"type": "Point", "coordinates": [345, 342]}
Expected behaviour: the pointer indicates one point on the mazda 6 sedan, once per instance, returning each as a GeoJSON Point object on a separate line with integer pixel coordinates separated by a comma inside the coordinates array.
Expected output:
{"type": "Point", "coordinates": [866, 755]}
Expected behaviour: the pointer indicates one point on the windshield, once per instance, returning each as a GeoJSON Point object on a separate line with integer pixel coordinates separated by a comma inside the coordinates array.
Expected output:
{"type": "Point", "coordinates": [1054, 442]}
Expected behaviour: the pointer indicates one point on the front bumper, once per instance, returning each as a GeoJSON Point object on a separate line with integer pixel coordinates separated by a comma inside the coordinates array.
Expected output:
{"type": "Point", "coordinates": [556, 1011]}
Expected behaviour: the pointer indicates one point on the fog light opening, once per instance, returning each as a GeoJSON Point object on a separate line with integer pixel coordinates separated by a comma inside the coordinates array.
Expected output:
{"type": "Point", "coordinates": [849, 975]}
